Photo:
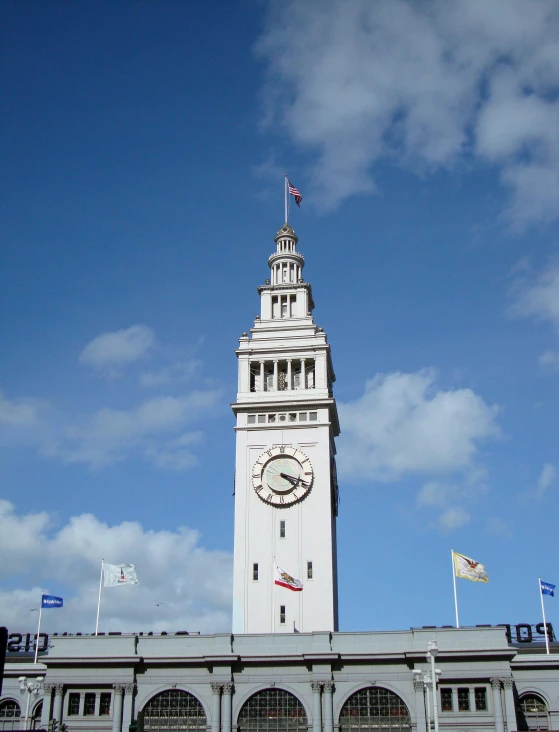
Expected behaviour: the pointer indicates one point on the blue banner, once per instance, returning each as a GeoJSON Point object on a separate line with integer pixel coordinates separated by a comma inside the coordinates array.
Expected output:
{"type": "Point", "coordinates": [51, 601]}
{"type": "Point", "coordinates": [547, 588]}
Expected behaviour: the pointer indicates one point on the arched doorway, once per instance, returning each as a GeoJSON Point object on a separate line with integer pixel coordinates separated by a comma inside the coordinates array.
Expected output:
{"type": "Point", "coordinates": [532, 712]}
{"type": "Point", "coordinates": [374, 708]}
{"type": "Point", "coordinates": [272, 710]}
{"type": "Point", "coordinates": [174, 710]}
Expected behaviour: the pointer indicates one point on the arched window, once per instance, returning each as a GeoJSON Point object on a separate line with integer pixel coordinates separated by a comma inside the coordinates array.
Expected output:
{"type": "Point", "coordinates": [376, 709]}
{"type": "Point", "coordinates": [9, 709]}
{"type": "Point", "coordinates": [532, 712]}
{"type": "Point", "coordinates": [174, 710]}
{"type": "Point", "coordinates": [36, 716]}
{"type": "Point", "coordinates": [272, 710]}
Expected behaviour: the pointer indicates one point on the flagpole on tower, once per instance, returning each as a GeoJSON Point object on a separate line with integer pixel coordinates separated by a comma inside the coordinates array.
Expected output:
{"type": "Point", "coordinates": [38, 628]}
{"type": "Point", "coordinates": [543, 614]}
{"type": "Point", "coordinates": [286, 196]}
{"type": "Point", "coordinates": [99, 598]}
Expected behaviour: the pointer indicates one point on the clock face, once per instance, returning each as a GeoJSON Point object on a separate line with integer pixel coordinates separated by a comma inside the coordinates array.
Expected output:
{"type": "Point", "coordinates": [282, 476]}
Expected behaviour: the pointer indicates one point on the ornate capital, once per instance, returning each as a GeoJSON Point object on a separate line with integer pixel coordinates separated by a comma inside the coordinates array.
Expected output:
{"type": "Point", "coordinates": [328, 687]}
{"type": "Point", "coordinates": [119, 688]}
{"type": "Point", "coordinates": [228, 689]}
{"type": "Point", "coordinates": [59, 689]}
{"type": "Point", "coordinates": [216, 688]}
{"type": "Point", "coordinates": [495, 683]}
{"type": "Point", "coordinates": [48, 688]}
{"type": "Point", "coordinates": [508, 683]}
{"type": "Point", "coordinates": [418, 685]}
{"type": "Point", "coordinates": [316, 686]}
{"type": "Point", "coordinates": [130, 688]}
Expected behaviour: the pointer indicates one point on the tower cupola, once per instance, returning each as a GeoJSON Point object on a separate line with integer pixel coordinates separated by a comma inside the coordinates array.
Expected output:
{"type": "Point", "coordinates": [286, 263]}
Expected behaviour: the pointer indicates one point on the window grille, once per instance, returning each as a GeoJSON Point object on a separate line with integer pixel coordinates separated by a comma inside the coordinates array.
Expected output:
{"type": "Point", "coordinates": [9, 710]}
{"type": "Point", "coordinates": [374, 708]}
{"type": "Point", "coordinates": [480, 696]}
{"type": "Point", "coordinates": [282, 529]}
{"type": "Point", "coordinates": [73, 704]}
{"type": "Point", "coordinates": [105, 704]}
{"type": "Point", "coordinates": [282, 614]}
{"type": "Point", "coordinates": [309, 570]}
{"type": "Point", "coordinates": [533, 712]}
{"type": "Point", "coordinates": [463, 700]}
{"type": "Point", "coordinates": [89, 705]}
{"type": "Point", "coordinates": [446, 700]}
{"type": "Point", "coordinates": [174, 710]}
{"type": "Point", "coordinates": [272, 710]}
{"type": "Point", "coordinates": [255, 571]}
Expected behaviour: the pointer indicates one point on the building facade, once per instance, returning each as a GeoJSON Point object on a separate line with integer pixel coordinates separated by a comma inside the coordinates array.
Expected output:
{"type": "Point", "coordinates": [285, 668]}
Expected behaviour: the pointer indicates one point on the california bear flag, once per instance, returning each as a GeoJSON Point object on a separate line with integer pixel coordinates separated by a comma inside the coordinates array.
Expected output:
{"type": "Point", "coordinates": [286, 580]}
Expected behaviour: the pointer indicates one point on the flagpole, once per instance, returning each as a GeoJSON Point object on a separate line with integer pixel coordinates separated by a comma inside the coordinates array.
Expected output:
{"type": "Point", "coordinates": [99, 598]}
{"type": "Point", "coordinates": [286, 196]}
{"type": "Point", "coordinates": [455, 595]}
{"type": "Point", "coordinates": [38, 628]}
{"type": "Point", "coordinates": [543, 614]}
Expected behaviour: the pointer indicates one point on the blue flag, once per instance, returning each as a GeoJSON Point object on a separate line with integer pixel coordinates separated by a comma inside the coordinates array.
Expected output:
{"type": "Point", "coordinates": [547, 588]}
{"type": "Point", "coordinates": [51, 601]}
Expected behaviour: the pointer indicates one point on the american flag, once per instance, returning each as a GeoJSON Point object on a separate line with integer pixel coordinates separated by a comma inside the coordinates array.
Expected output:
{"type": "Point", "coordinates": [295, 193]}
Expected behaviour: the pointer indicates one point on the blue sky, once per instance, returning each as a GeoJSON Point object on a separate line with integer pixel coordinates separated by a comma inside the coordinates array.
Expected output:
{"type": "Point", "coordinates": [143, 148]}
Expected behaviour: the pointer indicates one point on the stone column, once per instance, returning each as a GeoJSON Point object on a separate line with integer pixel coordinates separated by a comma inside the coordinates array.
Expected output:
{"type": "Point", "coordinates": [303, 385]}
{"type": "Point", "coordinates": [117, 707]}
{"type": "Point", "coordinates": [128, 706]}
{"type": "Point", "coordinates": [227, 704]}
{"type": "Point", "coordinates": [497, 705]}
{"type": "Point", "coordinates": [58, 697]}
{"type": "Point", "coordinates": [262, 385]}
{"type": "Point", "coordinates": [289, 381]}
{"type": "Point", "coordinates": [328, 710]}
{"type": "Point", "coordinates": [316, 707]}
{"type": "Point", "coordinates": [47, 700]}
{"type": "Point", "coordinates": [420, 716]}
{"type": "Point", "coordinates": [216, 707]}
{"type": "Point", "coordinates": [510, 706]}
{"type": "Point", "coordinates": [275, 375]}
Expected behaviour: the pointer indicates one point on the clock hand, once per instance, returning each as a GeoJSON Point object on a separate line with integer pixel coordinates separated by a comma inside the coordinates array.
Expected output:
{"type": "Point", "coordinates": [290, 478]}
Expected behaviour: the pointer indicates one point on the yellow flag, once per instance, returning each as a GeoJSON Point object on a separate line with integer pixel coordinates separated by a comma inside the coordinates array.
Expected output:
{"type": "Point", "coordinates": [467, 568]}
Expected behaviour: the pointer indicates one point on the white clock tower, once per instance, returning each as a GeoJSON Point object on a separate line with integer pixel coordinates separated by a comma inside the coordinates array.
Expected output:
{"type": "Point", "coordinates": [286, 493]}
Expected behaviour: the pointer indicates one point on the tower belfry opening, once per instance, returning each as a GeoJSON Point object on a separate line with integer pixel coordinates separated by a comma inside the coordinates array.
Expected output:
{"type": "Point", "coordinates": [286, 494]}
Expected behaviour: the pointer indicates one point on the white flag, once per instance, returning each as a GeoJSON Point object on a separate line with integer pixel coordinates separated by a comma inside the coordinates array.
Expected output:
{"type": "Point", "coordinates": [119, 574]}
{"type": "Point", "coordinates": [283, 579]}
{"type": "Point", "coordinates": [468, 568]}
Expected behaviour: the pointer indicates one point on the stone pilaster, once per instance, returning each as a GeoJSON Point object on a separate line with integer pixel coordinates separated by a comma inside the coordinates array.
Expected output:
{"type": "Point", "coordinates": [317, 706]}
{"type": "Point", "coordinates": [497, 705]}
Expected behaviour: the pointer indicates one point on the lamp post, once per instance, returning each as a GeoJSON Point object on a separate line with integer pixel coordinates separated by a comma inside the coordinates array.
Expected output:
{"type": "Point", "coordinates": [432, 650]}
{"type": "Point", "coordinates": [31, 687]}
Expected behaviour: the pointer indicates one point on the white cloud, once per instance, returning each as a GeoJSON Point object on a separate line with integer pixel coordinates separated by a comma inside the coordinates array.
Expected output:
{"type": "Point", "coordinates": [22, 412]}
{"type": "Point", "coordinates": [547, 477]}
{"type": "Point", "coordinates": [191, 584]}
{"type": "Point", "coordinates": [538, 297]}
{"type": "Point", "coordinates": [176, 373]}
{"type": "Point", "coordinates": [404, 425]}
{"type": "Point", "coordinates": [109, 351]}
{"type": "Point", "coordinates": [426, 85]}
{"type": "Point", "coordinates": [148, 430]}
{"type": "Point", "coordinates": [453, 518]}
{"type": "Point", "coordinates": [436, 494]}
